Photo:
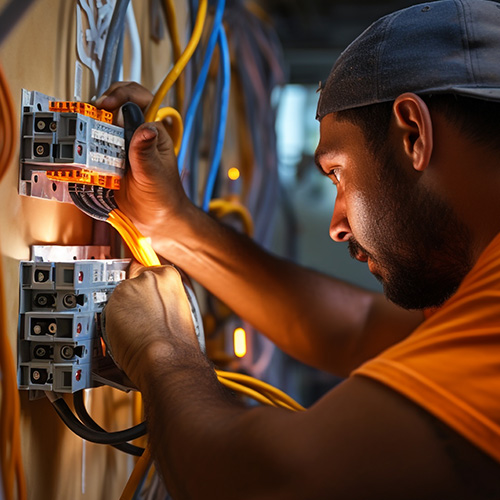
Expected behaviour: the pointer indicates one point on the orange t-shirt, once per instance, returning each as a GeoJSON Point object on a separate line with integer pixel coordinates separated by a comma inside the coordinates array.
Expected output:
{"type": "Point", "coordinates": [450, 365]}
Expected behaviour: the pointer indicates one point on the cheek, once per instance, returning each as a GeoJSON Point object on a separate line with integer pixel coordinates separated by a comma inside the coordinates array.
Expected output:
{"type": "Point", "coordinates": [362, 218]}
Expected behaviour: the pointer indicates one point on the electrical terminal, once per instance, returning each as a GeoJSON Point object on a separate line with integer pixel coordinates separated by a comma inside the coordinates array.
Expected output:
{"type": "Point", "coordinates": [87, 177]}
{"type": "Point", "coordinates": [59, 340]}
{"type": "Point", "coordinates": [67, 143]}
{"type": "Point", "coordinates": [82, 108]}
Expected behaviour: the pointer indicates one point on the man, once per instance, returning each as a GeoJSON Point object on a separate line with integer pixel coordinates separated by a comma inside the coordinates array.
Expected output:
{"type": "Point", "coordinates": [417, 198]}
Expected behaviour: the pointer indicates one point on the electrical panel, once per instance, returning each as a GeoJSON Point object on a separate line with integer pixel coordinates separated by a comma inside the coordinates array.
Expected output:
{"type": "Point", "coordinates": [60, 343]}
{"type": "Point", "coordinates": [67, 142]}
{"type": "Point", "coordinates": [60, 347]}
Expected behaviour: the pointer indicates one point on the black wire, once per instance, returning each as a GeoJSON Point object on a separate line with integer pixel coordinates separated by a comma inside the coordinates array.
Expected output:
{"type": "Point", "coordinates": [94, 436]}
{"type": "Point", "coordinates": [87, 420]}
{"type": "Point", "coordinates": [105, 197]}
{"type": "Point", "coordinates": [76, 199]}
{"type": "Point", "coordinates": [83, 197]}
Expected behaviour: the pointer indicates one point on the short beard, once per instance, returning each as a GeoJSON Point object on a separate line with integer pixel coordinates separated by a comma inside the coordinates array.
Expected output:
{"type": "Point", "coordinates": [422, 249]}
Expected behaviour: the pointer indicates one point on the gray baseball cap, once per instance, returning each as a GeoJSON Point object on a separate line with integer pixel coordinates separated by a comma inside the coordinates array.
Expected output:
{"type": "Point", "coordinates": [447, 46]}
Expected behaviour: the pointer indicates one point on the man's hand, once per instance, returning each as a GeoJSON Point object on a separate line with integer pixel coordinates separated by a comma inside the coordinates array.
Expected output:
{"type": "Point", "coordinates": [151, 193]}
{"type": "Point", "coordinates": [150, 315]}
{"type": "Point", "coordinates": [121, 92]}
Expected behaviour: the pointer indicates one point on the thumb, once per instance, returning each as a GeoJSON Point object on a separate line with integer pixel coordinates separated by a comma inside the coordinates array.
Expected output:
{"type": "Point", "coordinates": [143, 146]}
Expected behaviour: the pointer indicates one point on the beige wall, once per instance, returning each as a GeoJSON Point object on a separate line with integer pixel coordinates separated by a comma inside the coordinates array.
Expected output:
{"type": "Point", "coordinates": [39, 54]}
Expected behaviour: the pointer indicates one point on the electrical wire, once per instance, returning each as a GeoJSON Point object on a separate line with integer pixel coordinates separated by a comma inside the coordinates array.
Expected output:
{"type": "Point", "coordinates": [221, 207]}
{"type": "Point", "coordinates": [111, 46]}
{"type": "Point", "coordinates": [180, 64]}
{"type": "Point", "coordinates": [226, 75]}
{"type": "Point", "coordinates": [87, 420]}
{"type": "Point", "coordinates": [8, 132]}
{"type": "Point", "coordinates": [140, 247]}
{"type": "Point", "coordinates": [135, 45]}
{"type": "Point", "coordinates": [267, 389]}
{"type": "Point", "coordinates": [10, 412]}
{"type": "Point", "coordinates": [92, 435]}
{"type": "Point", "coordinates": [200, 84]}
{"type": "Point", "coordinates": [176, 129]}
{"type": "Point", "coordinates": [171, 19]}
{"type": "Point", "coordinates": [117, 72]}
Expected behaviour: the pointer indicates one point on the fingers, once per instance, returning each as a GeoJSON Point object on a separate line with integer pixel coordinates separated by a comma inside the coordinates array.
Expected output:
{"type": "Point", "coordinates": [135, 269]}
{"type": "Point", "coordinates": [166, 280]}
{"type": "Point", "coordinates": [121, 92]}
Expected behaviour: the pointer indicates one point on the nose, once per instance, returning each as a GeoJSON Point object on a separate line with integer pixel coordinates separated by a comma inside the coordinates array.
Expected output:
{"type": "Point", "coordinates": [340, 230]}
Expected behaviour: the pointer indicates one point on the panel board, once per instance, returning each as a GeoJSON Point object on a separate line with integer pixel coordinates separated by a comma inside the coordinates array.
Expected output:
{"type": "Point", "coordinates": [39, 54]}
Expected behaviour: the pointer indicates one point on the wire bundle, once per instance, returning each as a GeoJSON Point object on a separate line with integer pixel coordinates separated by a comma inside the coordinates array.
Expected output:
{"type": "Point", "coordinates": [259, 391]}
{"type": "Point", "coordinates": [217, 37]}
{"type": "Point", "coordinates": [139, 245]}
{"type": "Point", "coordinates": [99, 203]}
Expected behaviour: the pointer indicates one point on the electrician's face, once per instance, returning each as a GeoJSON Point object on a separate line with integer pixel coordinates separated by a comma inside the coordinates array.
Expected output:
{"type": "Point", "coordinates": [412, 240]}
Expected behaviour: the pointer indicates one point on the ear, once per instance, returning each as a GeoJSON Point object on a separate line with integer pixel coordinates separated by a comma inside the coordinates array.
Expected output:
{"type": "Point", "coordinates": [414, 125]}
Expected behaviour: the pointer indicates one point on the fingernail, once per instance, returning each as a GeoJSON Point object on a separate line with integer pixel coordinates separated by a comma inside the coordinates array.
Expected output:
{"type": "Point", "coordinates": [149, 133]}
{"type": "Point", "coordinates": [101, 99]}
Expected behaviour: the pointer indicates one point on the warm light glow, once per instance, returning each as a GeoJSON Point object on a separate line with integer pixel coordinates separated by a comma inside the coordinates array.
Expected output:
{"type": "Point", "coordinates": [233, 173]}
{"type": "Point", "coordinates": [149, 257]}
{"type": "Point", "coordinates": [240, 342]}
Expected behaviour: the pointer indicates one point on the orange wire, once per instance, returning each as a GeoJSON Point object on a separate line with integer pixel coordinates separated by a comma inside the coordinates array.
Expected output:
{"type": "Point", "coordinates": [10, 412]}
{"type": "Point", "coordinates": [8, 123]}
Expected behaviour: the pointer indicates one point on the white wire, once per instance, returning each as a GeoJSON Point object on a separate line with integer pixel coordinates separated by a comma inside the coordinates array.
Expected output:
{"type": "Point", "coordinates": [135, 45]}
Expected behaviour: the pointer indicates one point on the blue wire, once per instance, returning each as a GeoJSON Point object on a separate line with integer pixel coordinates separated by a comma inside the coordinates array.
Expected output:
{"type": "Point", "coordinates": [226, 75]}
{"type": "Point", "coordinates": [200, 84]}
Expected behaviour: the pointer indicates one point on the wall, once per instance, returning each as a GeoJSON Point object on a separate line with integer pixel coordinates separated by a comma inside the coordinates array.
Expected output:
{"type": "Point", "coordinates": [39, 54]}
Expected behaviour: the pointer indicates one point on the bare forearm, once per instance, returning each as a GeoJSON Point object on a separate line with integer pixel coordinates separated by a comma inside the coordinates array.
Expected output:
{"type": "Point", "coordinates": [205, 443]}
{"type": "Point", "coordinates": [322, 321]}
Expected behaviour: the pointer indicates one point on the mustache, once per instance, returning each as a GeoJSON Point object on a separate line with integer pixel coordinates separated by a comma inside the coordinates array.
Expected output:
{"type": "Point", "coordinates": [355, 248]}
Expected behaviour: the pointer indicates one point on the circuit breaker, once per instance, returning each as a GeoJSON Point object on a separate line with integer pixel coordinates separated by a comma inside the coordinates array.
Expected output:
{"type": "Point", "coordinates": [60, 347]}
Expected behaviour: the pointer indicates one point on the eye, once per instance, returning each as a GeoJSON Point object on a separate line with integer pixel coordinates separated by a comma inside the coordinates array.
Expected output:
{"type": "Point", "coordinates": [334, 175]}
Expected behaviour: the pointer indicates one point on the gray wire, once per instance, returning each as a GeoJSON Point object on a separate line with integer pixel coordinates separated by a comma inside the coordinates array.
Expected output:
{"type": "Point", "coordinates": [111, 47]}
{"type": "Point", "coordinates": [117, 67]}
{"type": "Point", "coordinates": [10, 16]}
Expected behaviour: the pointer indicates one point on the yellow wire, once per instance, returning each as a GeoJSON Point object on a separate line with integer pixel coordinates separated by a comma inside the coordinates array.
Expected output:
{"type": "Point", "coordinates": [180, 64]}
{"type": "Point", "coordinates": [176, 47]}
{"type": "Point", "coordinates": [138, 473]}
{"type": "Point", "coordinates": [139, 246]}
{"type": "Point", "coordinates": [221, 207]}
{"type": "Point", "coordinates": [247, 391]}
{"type": "Point", "coordinates": [177, 128]}
{"type": "Point", "coordinates": [263, 387]}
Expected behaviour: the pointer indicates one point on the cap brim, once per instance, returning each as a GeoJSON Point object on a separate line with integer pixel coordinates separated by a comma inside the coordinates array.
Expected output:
{"type": "Point", "coordinates": [488, 94]}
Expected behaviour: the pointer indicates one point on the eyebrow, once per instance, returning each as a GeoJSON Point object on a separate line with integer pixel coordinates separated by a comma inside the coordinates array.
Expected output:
{"type": "Point", "coordinates": [318, 154]}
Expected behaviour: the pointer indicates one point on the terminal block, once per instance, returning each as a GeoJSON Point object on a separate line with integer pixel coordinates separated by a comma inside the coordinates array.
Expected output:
{"type": "Point", "coordinates": [60, 347]}
{"type": "Point", "coordinates": [65, 142]}
{"type": "Point", "coordinates": [83, 108]}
